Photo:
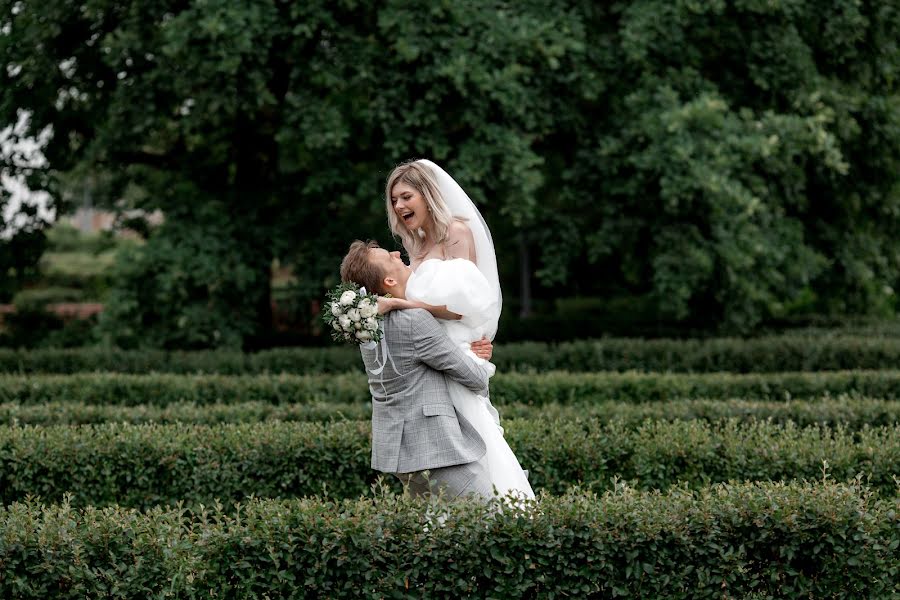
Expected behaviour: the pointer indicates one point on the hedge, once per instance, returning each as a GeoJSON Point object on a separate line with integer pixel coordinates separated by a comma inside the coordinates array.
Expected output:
{"type": "Point", "coordinates": [764, 354]}
{"type": "Point", "coordinates": [79, 413]}
{"type": "Point", "coordinates": [851, 412]}
{"type": "Point", "coordinates": [506, 388]}
{"type": "Point", "coordinates": [758, 540]}
{"type": "Point", "coordinates": [143, 465]}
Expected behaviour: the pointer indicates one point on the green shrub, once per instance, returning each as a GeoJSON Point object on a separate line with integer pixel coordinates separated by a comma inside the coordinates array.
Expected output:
{"type": "Point", "coordinates": [758, 355]}
{"type": "Point", "coordinates": [850, 412]}
{"type": "Point", "coordinates": [78, 413]}
{"type": "Point", "coordinates": [63, 237]}
{"type": "Point", "coordinates": [30, 324]}
{"type": "Point", "coordinates": [164, 389]}
{"type": "Point", "coordinates": [141, 466]}
{"type": "Point", "coordinates": [151, 464]}
{"type": "Point", "coordinates": [33, 325]}
{"type": "Point", "coordinates": [506, 388]}
{"type": "Point", "coordinates": [755, 355]}
{"type": "Point", "coordinates": [86, 271]}
{"type": "Point", "coordinates": [67, 361]}
{"type": "Point", "coordinates": [730, 541]}
{"type": "Point", "coordinates": [77, 264]}
{"type": "Point", "coordinates": [566, 388]}
{"type": "Point", "coordinates": [40, 297]}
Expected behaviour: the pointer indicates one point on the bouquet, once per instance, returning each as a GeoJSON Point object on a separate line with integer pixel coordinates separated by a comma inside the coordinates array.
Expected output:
{"type": "Point", "coordinates": [352, 314]}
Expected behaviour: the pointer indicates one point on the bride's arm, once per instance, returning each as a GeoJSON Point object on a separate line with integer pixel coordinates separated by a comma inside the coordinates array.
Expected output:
{"type": "Point", "coordinates": [386, 305]}
{"type": "Point", "coordinates": [461, 244]}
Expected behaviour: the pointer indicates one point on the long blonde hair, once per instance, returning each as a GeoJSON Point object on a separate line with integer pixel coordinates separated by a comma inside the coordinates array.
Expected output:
{"type": "Point", "coordinates": [419, 177]}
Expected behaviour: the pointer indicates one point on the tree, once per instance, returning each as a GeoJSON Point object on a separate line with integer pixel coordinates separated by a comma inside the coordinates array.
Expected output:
{"type": "Point", "coordinates": [193, 109]}
{"type": "Point", "coordinates": [722, 159]}
{"type": "Point", "coordinates": [284, 116]}
{"type": "Point", "coordinates": [744, 162]}
{"type": "Point", "coordinates": [22, 239]}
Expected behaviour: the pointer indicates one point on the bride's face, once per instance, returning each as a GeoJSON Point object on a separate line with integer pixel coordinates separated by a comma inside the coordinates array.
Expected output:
{"type": "Point", "coordinates": [409, 205]}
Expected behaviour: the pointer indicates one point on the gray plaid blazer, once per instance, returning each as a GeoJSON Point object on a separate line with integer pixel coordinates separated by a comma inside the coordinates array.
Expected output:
{"type": "Point", "coordinates": [414, 424]}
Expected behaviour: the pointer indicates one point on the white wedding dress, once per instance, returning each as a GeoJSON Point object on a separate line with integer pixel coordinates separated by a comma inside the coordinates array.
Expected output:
{"type": "Point", "coordinates": [461, 286]}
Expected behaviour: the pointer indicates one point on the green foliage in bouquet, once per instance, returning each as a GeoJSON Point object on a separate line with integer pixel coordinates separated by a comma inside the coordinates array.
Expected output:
{"type": "Point", "coordinates": [351, 313]}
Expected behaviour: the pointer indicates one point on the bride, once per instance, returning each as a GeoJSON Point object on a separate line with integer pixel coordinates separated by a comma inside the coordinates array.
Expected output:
{"type": "Point", "coordinates": [454, 277]}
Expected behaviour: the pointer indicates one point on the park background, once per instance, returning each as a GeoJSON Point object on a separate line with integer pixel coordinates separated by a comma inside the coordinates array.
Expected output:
{"type": "Point", "coordinates": [646, 168]}
{"type": "Point", "coordinates": [695, 207]}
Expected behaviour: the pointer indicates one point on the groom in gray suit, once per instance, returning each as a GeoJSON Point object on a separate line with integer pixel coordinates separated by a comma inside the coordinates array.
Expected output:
{"type": "Point", "coordinates": [416, 432]}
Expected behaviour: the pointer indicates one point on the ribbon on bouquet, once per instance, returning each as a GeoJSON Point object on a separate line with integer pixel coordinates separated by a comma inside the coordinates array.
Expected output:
{"type": "Point", "coordinates": [385, 352]}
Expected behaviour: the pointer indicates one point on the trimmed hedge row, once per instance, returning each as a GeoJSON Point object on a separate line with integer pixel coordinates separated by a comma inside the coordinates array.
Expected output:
{"type": "Point", "coordinates": [764, 354]}
{"type": "Point", "coordinates": [80, 360]}
{"type": "Point", "coordinates": [851, 412]}
{"type": "Point", "coordinates": [78, 413]}
{"type": "Point", "coordinates": [145, 465]}
{"type": "Point", "coordinates": [730, 541]}
{"type": "Point", "coordinates": [506, 388]}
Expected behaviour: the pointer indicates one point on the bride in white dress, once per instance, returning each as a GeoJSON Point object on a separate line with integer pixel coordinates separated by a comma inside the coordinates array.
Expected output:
{"type": "Point", "coordinates": [455, 277]}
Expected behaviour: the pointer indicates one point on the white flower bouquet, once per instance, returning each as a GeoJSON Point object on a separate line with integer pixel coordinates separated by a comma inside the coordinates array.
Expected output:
{"type": "Point", "coordinates": [352, 314]}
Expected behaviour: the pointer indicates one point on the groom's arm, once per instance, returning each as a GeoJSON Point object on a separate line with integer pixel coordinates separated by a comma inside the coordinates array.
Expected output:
{"type": "Point", "coordinates": [437, 351]}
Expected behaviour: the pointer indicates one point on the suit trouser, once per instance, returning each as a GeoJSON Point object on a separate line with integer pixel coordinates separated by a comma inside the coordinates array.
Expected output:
{"type": "Point", "coordinates": [452, 482]}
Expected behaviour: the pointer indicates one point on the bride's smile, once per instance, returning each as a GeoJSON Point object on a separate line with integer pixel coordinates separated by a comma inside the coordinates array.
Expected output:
{"type": "Point", "coordinates": [410, 206]}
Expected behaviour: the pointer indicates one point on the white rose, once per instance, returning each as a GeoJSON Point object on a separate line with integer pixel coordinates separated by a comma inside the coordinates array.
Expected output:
{"type": "Point", "coordinates": [371, 324]}
{"type": "Point", "coordinates": [367, 310]}
{"type": "Point", "coordinates": [353, 314]}
{"type": "Point", "coordinates": [358, 325]}
{"type": "Point", "coordinates": [336, 325]}
{"type": "Point", "coordinates": [336, 309]}
{"type": "Point", "coordinates": [345, 321]}
{"type": "Point", "coordinates": [348, 297]}
{"type": "Point", "coordinates": [363, 336]}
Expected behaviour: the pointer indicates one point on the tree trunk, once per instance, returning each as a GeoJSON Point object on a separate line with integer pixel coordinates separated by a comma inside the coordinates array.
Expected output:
{"type": "Point", "coordinates": [264, 314]}
{"type": "Point", "coordinates": [524, 277]}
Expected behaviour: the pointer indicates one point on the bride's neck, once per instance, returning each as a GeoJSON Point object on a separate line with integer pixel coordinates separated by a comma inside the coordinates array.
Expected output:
{"type": "Point", "coordinates": [428, 228]}
{"type": "Point", "coordinates": [428, 240]}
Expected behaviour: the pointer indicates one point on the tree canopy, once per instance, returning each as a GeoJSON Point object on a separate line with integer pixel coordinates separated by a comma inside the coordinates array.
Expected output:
{"type": "Point", "coordinates": [738, 159]}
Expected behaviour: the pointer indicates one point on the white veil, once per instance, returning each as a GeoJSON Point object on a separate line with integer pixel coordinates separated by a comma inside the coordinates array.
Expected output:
{"type": "Point", "coordinates": [461, 206]}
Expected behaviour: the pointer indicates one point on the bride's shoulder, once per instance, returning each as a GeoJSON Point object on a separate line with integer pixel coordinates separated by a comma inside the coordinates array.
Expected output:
{"type": "Point", "coordinates": [458, 227]}
{"type": "Point", "coordinates": [460, 241]}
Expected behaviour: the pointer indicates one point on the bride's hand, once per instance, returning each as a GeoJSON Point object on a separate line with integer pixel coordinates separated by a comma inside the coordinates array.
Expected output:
{"type": "Point", "coordinates": [483, 348]}
{"type": "Point", "coordinates": [386, 305]}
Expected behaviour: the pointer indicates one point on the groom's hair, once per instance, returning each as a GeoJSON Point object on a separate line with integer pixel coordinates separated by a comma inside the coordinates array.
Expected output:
{"type": "Point", "coordinates": [357, 267]}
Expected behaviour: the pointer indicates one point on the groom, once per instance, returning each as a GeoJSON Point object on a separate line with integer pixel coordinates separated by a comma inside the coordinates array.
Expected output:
{"type": "Point", "coordinates": [416, 432]}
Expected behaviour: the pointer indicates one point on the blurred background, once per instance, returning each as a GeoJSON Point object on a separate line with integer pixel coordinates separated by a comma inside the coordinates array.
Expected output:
{"type": "Point", "coordinates": [188, 174]}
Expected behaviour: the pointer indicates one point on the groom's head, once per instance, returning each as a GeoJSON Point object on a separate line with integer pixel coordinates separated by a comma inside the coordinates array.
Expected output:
{"type": "Point", "coordinates": [376, 269]}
